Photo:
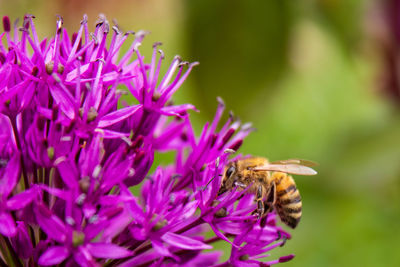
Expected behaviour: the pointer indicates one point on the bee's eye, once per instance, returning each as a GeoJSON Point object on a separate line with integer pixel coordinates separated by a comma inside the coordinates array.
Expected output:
{"type": "Point", "coordinates": [230, 171]}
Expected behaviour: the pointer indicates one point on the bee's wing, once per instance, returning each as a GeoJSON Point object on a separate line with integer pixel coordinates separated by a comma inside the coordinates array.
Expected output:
{"type": "Point", "coordinates": [303, 162]}
{"type": "Point", "coordinates": [287, 168]}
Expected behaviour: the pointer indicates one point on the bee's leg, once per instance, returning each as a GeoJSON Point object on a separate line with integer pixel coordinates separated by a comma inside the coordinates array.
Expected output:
{"type": "Point", "coordinates": [271, 198]}
{"type": "Point", "coordinates": [222, 190]}
{"type": "Point", "coordinates": [236, 183]}
{"type": "Point", "coordinates": [269, 203]}
{"type": "Point", "coordinates": [241, 185]}
{"type": "Point", "coordinates": [224, 187]}
{"type": "Point", "coordinates": [259, 198]}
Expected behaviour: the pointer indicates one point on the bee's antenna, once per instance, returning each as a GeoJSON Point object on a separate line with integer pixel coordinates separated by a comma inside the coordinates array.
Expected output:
{"type": "Point", "coordinates": [216, 167]}
{"type": "Point", "coordinates": [212, 179]}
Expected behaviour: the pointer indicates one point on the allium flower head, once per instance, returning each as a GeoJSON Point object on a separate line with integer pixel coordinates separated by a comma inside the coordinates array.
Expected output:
{"type": "Point", "coordinates": [70, 153]}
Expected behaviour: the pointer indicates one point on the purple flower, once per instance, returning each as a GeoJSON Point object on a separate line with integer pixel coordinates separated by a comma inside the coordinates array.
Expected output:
{"type": "Point", "coordinates": [70, 155]}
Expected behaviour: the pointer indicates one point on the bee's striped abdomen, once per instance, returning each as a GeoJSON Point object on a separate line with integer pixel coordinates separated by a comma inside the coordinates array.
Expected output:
{"type": "Point", "coordinates": [288, 199]}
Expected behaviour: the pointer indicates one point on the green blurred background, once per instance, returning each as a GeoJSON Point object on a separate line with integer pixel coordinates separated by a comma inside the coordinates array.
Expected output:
{"type": "Point", "coordinates": [318, 79]}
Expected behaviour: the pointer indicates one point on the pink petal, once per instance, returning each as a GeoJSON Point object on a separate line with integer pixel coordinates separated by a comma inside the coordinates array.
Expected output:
{"type": "Point", "coordinates": [159, 248]}
{"type": "Point", "coordinates": [176, 110]}
{"type": "Point", "coordinates": [7, 225]}
{"type": "Point", "coordinates": [184, 242]}
{"type": "Point", "coordinates": [20, 200]}
{"type": "Point", "coordinates": [117, 116]}
{"type": "Point", "coordinates": [109, 134]}
{"type": "Point", "coordinates": [9, 93]}
{"type": "Point", "coordinates": [111, 251]}
{"type": "Point", "coordinates": [47, 113]}
{"type": "Point", "coordinates": [84, 259]}
{"type": "Point", "coordinates": [162, 250]}
{"type": "Point", "coordinates": [54, 255]}
{"type": "Point", "coordinates": [56, 192]}
{"type": "Point", "coordinates": [64, 99]}
{"type": "Point", "coordinates": [21, 242]}
{"type": "Point", "coordinates": [50, 223]}
{"type": "Point", "coordinates": [27, 97]}
{"type": "Point", "coordinates": [10, 176]}
{"type": "Point", "coordinates": [112, 76]}
{"type": "Point", "coordinates": [68, 172]}
{"type": "Point", "coordinates": [202, 259]}
{"type": "Point", "coordinates": [73, 74]}
{"type": "Point", "coordinates": [117, 225]}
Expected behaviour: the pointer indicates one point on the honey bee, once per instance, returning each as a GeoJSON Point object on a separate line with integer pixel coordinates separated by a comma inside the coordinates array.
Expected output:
{"type": "Point", "coordinates": [271, 183]}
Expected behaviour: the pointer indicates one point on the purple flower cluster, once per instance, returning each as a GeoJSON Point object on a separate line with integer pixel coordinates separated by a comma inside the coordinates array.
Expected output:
{"type": "Point", "coordinates": [71, 152]}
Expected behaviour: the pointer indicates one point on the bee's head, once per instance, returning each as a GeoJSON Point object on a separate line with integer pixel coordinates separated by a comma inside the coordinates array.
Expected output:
{"type": "Point", "coordinates": [228, 177]}
{"type": "Point", "coordinates": [230, 171]}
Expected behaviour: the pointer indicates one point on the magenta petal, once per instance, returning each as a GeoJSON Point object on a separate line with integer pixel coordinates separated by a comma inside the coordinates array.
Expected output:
{"type": "Point", "coordinates": [54, 255]}
{"type": "Point", "coordinates": [27, 97]}
{"type": "Point", "coordinates": [176, 110]}
{"type": "Point", "coordinates": [68, 172]}
{"type": "Point", "coordinates": [20, 200]}
{"type": "Point", "coordinates": [7, 225]}
{"type": "Point", "coordinates": [21, 242]}
{"type": "Point", "coordinates": [83, 258]}
{"type": "Point", "coordinates": [111, 251]}
{"type": "Point", "coordinates": [117, 116]}
{"type": "Point", "coordinates": [221, 235]}
{"type": "Point", "coordinates": [117, 225]}
{"type": "Point", "coordinates": [8, 93]}
{"type": "Point", "coordinates": [50, 223]}
{"type": "Point", "coordinates": [45, 112]}
{"type": "Point", "coordinates": [245, 264]}
{"type": "Point", "coordinates": [56, 192]}
{"type": "Point", "coordinates": [148, 256]}
{"type": "Point", "coordinates": [74, 73]}
{"type": "Point", "coordinates": [184, 242]}
{"type": "Point", "coordinates": [203, 259]}
{"type": "Point", "coordinates": [161, 249]}
{"type": "Point", "coordinates": [109, 134]}
{"type": "Point", "coordinates": [10, 176]}
{"type": "Point", "coordinates": [64, 99]}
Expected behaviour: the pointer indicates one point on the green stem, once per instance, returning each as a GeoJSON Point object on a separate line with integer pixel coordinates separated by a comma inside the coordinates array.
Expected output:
{"type": "Point", "coordinates": [4, 251]}
{"type": "Point", "coordinates": [32, 235]}
{"type": "Point", "coordinates": [14, 261]}
{"type": "Point", "coordinates": [46, 182]}
{"type": "Point", "coordinates": [2, 263]}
